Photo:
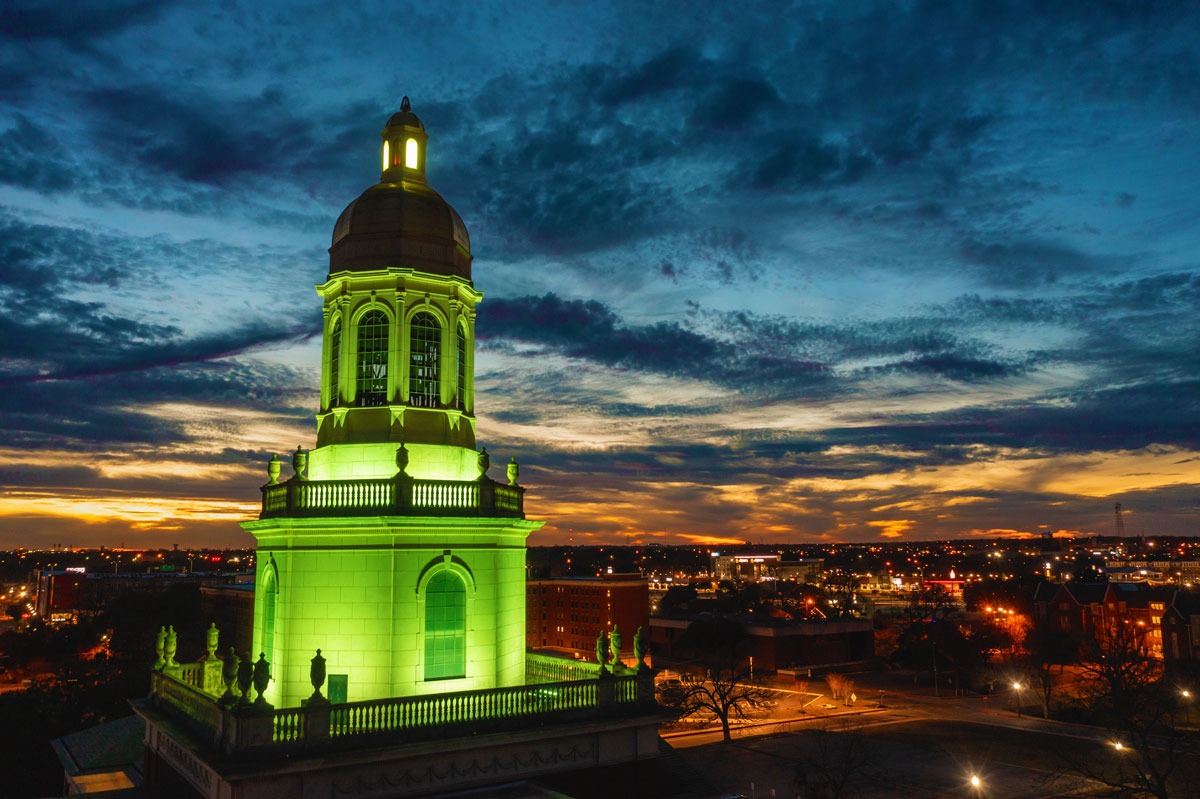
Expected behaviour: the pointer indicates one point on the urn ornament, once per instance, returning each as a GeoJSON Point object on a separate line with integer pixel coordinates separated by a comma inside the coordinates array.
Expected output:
{"type": "Point", "coordinates": [262, 678]}
{"type": "Point", "coordinates": [245, 677]}
{"type": "Point", "coordinates": [273, 467]}
{"type": "Point", "coordinates": [514, 471]}
{"type": "Point", "coordinates": [229, 672]}
{"type": "Point", "coordinates": [316, 674]}
{"type": "Point", "coordinates": [211, 636]}
{"type": "Point", "coordinates": [160, 642]}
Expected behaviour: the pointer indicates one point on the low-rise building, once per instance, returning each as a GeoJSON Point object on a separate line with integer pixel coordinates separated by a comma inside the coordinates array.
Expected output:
{"type": "Point", "coordinates": [566, 614]}
{"type": "Point", "coordinates": [782, 643]}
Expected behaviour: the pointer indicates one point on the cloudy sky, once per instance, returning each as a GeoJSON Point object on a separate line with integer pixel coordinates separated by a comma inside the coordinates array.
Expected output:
{"type": "Point", "coordinates": [842, 271]}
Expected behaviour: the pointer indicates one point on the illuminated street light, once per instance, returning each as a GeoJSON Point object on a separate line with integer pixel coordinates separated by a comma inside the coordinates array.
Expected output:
{"type": "Point", "coordinates": [1017, 697]}
{"type": "Point", "coordinates": [1120, 747]}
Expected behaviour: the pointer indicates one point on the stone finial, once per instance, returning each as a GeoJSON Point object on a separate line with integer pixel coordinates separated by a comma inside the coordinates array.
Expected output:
{"type": "Point", "coordinates": [616, 645]}
{"type": "Point", "coordinates": [211, 636]}
{"type": "Point", "coordinates": [273, 467]}
{"type": "Point", "coordinates": [262, 678]}
{"type": "Point", "coordinates": [641, 647]}
{"type": "Point", "coordinates": [485, 462]}
{"type": "Point", "coordinates": [300, 463]}
{"type": "Point", "coordinates": [514, 471]}
{"type": "Point", "coordinates": [316, 674]}
{"type": "Point", "coordinates": [245, 677]}
{"type": "Point", "coordinates": [401, 460]}
{"type": "Point", "coordinates": [229, 673]}
{"type": "Point", "coordinates": [602, 652]}
{"type": "Point", "coordinates": [160, 642]}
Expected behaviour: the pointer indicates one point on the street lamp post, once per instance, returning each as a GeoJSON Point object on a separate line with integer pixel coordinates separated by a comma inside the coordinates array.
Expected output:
{"type": "Point", "coordinates": [1017, 697]}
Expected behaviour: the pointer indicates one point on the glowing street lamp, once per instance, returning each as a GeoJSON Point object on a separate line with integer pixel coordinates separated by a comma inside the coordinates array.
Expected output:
{"type": "Point", "coordinates": [976, 783]}
{"type": "Point", "coordinates": [1017, 696]}
{"type": "Point", "coordinates": [1120, 747]}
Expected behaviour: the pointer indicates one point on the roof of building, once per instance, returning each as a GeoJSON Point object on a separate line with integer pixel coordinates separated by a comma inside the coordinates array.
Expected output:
{"type": "Point", "coordinates": [1187, 603]}
{"type": "Point", "coordinates": [404, 223]}
{"type": "Point", "coordinates": [109, 746]}
{"type": "Point", "coordinates": [1088, 593]}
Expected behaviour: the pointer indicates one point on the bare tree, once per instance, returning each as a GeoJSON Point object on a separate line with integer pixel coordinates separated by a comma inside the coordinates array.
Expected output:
{"type": "Point", "coordinates": [718, 680]}
{"type": "Point", "coordinates": [1047, 647]}
{"type": "Point", "coordinates": [833, 763]}
{"type": "Point", "coordinates": [1153, 754]}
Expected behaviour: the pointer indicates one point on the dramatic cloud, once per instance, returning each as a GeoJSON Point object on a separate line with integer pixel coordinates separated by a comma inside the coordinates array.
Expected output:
{"type": "Point", "coordinates": [845, 270]}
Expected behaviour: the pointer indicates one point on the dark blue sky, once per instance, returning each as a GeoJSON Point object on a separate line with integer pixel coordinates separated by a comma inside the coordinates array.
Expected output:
{"type": "Point", "coordinates": [841, 270]}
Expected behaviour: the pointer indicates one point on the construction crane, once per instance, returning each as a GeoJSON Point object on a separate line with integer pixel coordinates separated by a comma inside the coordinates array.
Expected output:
{"type": "Point", "coordinates": [1120, 522]}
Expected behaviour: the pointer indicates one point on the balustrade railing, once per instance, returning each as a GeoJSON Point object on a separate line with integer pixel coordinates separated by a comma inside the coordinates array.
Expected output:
{"type": "Point", "coordinates": [400, 496]}
{"type": "Point", "coordinates": [548, 668]}
{"type": "Point", "coordinates": [251, 728]}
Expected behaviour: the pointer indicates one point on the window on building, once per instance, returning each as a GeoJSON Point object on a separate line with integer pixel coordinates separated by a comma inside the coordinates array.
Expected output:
{"type": "Point", "coordinates": [270, 594]}
{"type": "Point", "coordinates": [462, 368]}
{"type": "Point", "coordinates": [410, 153]}
{"type": "Point", "coordinates": [445, 627]}
{"type": "Point", "coordinates": [385, 155]}
{"type": "Point", "coordinates": [372, 359]}
{"type": "Point", "coordinates": [425, 340]}
{"type": "Point", "coordinates": [335, 355]}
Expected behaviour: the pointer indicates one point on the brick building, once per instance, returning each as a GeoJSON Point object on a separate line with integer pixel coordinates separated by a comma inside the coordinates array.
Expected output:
{"type": "Point", "coordinates": [566, 614]}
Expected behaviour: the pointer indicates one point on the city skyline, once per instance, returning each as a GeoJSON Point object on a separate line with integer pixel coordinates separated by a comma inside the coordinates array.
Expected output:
{"type": "Point", "coordinates": [825, 273]}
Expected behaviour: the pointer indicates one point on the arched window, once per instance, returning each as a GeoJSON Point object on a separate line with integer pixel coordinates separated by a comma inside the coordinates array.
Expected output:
{"type": "Point", "coordinates": [335, 358]}
{"type": "Point", "coordinates": [462, 368]}
{"type": "Point", "coordinates": [385, 155]}
{"type": "Point", "coordinates": [410, 153]}
{"type": "Point", "coordinates": [425, 344]}
{"type": "Point", "coordinates": [372, 359]}
{"type": "Point", "coordinates": [445, 627]}
{"type": "Point", "coordinates": [270, 592]}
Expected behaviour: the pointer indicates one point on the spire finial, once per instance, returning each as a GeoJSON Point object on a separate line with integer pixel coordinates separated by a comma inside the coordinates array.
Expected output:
{"type": "Point", "coordinates": [405, 105]}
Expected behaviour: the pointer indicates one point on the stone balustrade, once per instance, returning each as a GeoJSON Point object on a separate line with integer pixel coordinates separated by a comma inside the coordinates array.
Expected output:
{"type": "Point", "coordinates": [244, 730]}
{"type": "Point", "coordinates": [541, 668]}
{"type": "Point", "coordinates": [392, 496]}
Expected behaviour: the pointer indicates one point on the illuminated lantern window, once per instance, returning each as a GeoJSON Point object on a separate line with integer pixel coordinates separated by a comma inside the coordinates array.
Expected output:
{"type": "Point", "coordinates": [372, 359]}
{"type": "Point", "coordinates": [410, 153]}
{"type": "Point", "coordinates": [425, 339]}
{"type": "Point", "coordinates": [385, 155]}
{"type": "Point", "coordinates": [445, 627]}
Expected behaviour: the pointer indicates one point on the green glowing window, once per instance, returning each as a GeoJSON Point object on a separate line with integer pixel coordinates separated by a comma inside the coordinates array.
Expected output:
{"type": "Point", "coordinates": [445, 627]}
{"type": "Point", "coordinates": [462, 368]}
{"type": "Point", "coordinates": [425, 343]}
{"type": "Point", "coordinates": [372, 359]}
{"type": "Point", "coordinates": [335, 354]}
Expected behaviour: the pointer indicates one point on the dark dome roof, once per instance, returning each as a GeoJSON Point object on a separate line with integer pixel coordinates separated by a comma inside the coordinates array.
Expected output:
{"type": "Point", "coordinates": [405, 118]}
{"type": "Point", "coordinates": [405, 223]}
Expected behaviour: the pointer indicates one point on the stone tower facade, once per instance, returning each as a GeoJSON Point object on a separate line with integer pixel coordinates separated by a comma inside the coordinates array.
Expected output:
{"type": "Point", "coordinates": [390, 548]}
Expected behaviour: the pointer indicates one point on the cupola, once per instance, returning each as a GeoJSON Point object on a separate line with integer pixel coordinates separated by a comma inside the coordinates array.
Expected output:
{"type": "Point", "coordinates": [404, 140]}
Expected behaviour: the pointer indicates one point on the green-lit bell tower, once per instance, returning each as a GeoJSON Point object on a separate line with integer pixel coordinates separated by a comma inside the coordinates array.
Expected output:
{"type": "Point", "coordinates": [390, 548]}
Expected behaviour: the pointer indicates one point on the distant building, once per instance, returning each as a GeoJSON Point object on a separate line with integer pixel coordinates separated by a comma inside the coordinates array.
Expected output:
{"type": "Point", "coordinates": [231, 608]}
{"type": "Point", "coordinates": [751, 567]}
{"type": "Point", "coordinates": [1092, 610]}
{"type": "Point", "coordinates": [781, 644]}
{"type": "Point", "coordinates": [565, 614]}
{"type": "Point", "coordinates": [1178, 572]}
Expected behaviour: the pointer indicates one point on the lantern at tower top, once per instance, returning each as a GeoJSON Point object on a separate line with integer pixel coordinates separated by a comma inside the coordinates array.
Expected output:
{"type": "Point", "coordinates": [401, 221]}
